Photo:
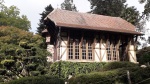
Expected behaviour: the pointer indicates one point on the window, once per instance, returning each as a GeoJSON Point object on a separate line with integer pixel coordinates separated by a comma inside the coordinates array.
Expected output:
{"type": "Point", "coordinates": [108, 51]}
{"type": "Point", "coordinates": [71, 49]}
{"type": "Point", "coordinates": [84, 49]}
{"type": "Point", "coordinates": [111, 52]}
{"type": "Point", "coordinates": [75, 50]}
{"type": "Point", "coordinates": [89, 50]}
{"type": "Point", "coordinates": [114, 52]}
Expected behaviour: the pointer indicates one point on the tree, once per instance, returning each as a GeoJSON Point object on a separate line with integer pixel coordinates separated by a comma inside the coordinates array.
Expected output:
{"type": "Point", "coordinates": [47, 10]}
{"type": "Point", "coordinates": [146, 12]}
{"type": "Point", "coordinates": [10, 16]}
{"type": "Point", "coordinates": [21, 54]}
{"type": "Point", "coordinates": [68, 5]}
{"type": "Point", "coordinates": [117, 8]}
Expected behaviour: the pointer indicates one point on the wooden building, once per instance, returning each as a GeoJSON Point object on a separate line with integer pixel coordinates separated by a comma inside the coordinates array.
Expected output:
{"type": "Point", "coordinates": [83, 37]}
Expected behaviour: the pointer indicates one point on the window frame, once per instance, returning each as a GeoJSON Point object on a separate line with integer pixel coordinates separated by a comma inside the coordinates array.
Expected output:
{"type": "Point", "coordinates": [111, 50]}
{"type": "Point", "coordinates": [80, 45]}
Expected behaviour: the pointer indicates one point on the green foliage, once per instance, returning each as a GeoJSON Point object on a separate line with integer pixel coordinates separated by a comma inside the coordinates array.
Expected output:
{"type": "Point", "coordinates": [68, 5]}
{"type": "Point", "coordinates": [116, 65]}
{"type": "Point", "coordinates": [143, 56]}
{"type": "Point", "coordinates": [107, 7]}
{"type": "Point", "coordinates": [38, 80]}
{"type": "Point", "coordinates": [21, 53]}
{"type": "Point", "coordinates": [118, 8]}
{"type": "Point", "coordinates": [2, 71]}
{"type": "Point", "coordinates": [64, 69]}
{"type": "Point", "coordinates": [30, 67]}
{"type": "Point", "coordinates": [95, 78]}
{"type": "Point", "coordinates": [35, 73]}
{"type": "Point", "coordinates": [10, 16]}
{"type": "Point", "coordinates": [8, 63]}
{"type": "Point", "coordinates": [118, 76]}
{"type": "Point", "coordinates": [146, 12]}
{"type": "Point", "coordinates": [47, 10]}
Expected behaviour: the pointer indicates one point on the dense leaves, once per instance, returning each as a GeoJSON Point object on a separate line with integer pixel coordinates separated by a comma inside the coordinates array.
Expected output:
{"type": "Point", "coordinates": [115, 76]}
{"type": "Point", "coordinates": [146, 12]}
{"type": "Point", "coordinates": [64, 69]}
{"type": "Point", "coordinates": [118, 8]}
{"type": "Point", "coordinates": [107, 7]}
{"type": "Point", "coordinates": [143, 56]}
{"type": "Point", "coordinates": [68, 5]}
{"type": "Point", "coordinates": [10, 16]}
{"type": "Point", "coordinates": [21, 54]}
{"type": "Point", "coordinates": [38, 80]}
{"type": "Point", "coordinates": [47, 10]}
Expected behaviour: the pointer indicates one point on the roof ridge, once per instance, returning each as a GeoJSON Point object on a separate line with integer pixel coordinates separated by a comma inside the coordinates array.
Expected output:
{"type": "Point", "coordinates": [57, 9]}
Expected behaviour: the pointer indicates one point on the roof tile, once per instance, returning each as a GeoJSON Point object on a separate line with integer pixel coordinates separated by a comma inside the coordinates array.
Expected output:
{"type": "Point", "coordinates": [91, 21]}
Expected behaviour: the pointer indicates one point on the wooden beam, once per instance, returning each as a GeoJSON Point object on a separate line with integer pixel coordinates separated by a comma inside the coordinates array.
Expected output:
{"type": "Point", "coordinates": [68, 40]}
{"type": "Point", "coordinates": [63, 41]}
{"type": "Point", "coordinates": [97, 55]}
{"type": "Point", "coordinates": [118, 43]}
{"type": "Point", "coordinates": [93, 46]}
{"type": "Point", "coordinates": [100, 44]}
{"type": "Point", "coordinates": [63, 53]}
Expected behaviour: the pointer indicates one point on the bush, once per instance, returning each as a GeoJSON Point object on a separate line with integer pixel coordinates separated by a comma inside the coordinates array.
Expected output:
{"type": "Point", "coordinates": [38, 80]}
{"type": "Point", "coordinates": [64, 69]}
{"type": "Point", "coordinates": [8, 63]}
{"type": "Point", "coordinates": [35, 73]}
{"type": "Point", "coordinates": [143, 55]}
{"type": "Point", "coordinates": [137, 74]}
{"type": "Point", "coordinates": [94, 78]}
{"type": "Point", "coordinates": [116, 65]}
{"type": "Point", "coordinates": [2, 71]}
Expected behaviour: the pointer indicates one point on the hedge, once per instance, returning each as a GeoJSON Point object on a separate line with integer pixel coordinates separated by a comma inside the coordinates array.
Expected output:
{"type": "Point", "coordinates": [137, 74]}
{"type": "Point", "coordinates": [64, 69]}
{"type": "Point", "coordinates": [38, 80]}
{"type": "Point", "coordinates": [116, 65]}
{"type": "Point", "coordinates": [143, 55]}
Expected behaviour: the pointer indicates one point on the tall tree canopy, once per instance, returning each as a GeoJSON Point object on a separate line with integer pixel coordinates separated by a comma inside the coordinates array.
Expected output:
{"type": "Point", "coordinates": [10, 16]}
{"type": "Point", "coordinates": [146, 12]}
{"type": "Point", "coordinates": [116, 8]}
{"type": "Point", "coordinates": [68, 5]}
{"type": "Point", "coordinates": [47, 10]}
{"type": "Point", "coordinates": [21, 54]}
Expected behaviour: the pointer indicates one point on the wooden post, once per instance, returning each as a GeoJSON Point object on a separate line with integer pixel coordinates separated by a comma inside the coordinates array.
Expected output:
{"type": "Point", "coordinates": [118, 44]}
{"type": "Point", "coordinates": [128, 76]}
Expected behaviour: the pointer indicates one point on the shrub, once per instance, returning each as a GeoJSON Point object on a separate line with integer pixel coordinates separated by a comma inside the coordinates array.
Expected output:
{"type": "Point", "coordinates": [2, 71]}
{"type": "Point", "coordinates": [137, 74]}
{"type": "Point", "coordinates": [143, 55]}
{"type": "Point", "coordinates": [35, 73]}
{"type": "Point", "coordinates": [116, 65]}
{"type": "Point", "coordinates": [8, 63]}
{"type": "Point", "coordinates": [107, 77]}
{"type": "Point", "coordinates": [64, 69]}
{"type": "Point", "coordinates": [38, 80]}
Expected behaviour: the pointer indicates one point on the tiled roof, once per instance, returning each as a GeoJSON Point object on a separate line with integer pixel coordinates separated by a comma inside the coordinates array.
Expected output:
{"type": "Point", "coordinates": [72, 19]}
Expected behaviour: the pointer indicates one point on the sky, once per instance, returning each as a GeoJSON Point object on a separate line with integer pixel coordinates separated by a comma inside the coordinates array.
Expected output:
{"type": "Point", "coordinates": [33, 8]}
